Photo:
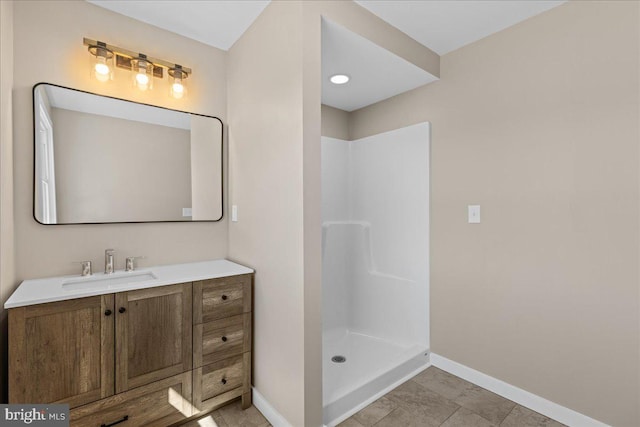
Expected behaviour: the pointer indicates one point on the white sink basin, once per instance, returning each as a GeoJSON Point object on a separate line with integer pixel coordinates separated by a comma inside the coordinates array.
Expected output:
{"type": "Point", "coordinates": [114, 280]}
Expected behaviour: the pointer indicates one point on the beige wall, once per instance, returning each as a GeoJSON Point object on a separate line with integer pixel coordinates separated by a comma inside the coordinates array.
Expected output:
{"type": "Point", "coordinates": [49, 250]}
{"type": "Point", "coordinates": [312, 208]}
{"type": "Point", "coordinates": [265, 149]}
{"type": "Point", "coordinates": [539, 125]}
{"type": "Point", "coordinates": [153, 164]}
{"type": "Point", "coordinates": [335, 123]}
{"type": "Point", "coordinates": [7, 273]}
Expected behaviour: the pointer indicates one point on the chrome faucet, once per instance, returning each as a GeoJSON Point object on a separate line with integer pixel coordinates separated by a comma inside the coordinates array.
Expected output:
{"type": "Point", "coordinates": [109, 261]}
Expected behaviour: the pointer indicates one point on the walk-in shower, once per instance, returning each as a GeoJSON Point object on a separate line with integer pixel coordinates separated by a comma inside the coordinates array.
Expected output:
{"type": "Point", "coordinates": [375, 265]}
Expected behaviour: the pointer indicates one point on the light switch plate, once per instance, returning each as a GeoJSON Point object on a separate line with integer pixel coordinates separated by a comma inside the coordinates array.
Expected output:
{"type": "Point", "coordinates": [474, 214]}
{"type": "Point", "coordinates": [234, 213]}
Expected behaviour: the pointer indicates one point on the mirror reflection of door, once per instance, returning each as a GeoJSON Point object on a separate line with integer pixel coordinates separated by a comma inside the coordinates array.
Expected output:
{"type": "Point", "coordinates": [45, 175]}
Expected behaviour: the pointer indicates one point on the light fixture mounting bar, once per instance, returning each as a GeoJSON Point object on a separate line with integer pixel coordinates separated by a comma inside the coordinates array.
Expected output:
{"type": "Point", "coordinates": [125, 63]}
{"type": "Point", "coordinates": [131, 54]}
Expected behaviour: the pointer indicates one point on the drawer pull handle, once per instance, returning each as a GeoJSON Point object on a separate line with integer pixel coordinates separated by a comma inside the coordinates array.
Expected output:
{"type": "Point", "coordinates": [107, 312]}
{"type": "Point", "coordinates": [224, 339]}
{"type": "Point", "coordinates": [224, 381]}
{"type": "Point", "coordinates": [125, 418]}
{"type": "Point", "coordinates": [224, 297]}
{"type": "Point", "coordinates": [122, 310]}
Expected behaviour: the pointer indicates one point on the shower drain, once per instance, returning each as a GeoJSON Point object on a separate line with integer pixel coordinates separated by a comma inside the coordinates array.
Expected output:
{"type": "Point", "coordinates": [338, 359]}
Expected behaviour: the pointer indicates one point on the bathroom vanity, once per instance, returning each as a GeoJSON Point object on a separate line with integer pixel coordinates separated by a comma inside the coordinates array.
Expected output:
{"type": "Point", "coordinates": [148, 347]}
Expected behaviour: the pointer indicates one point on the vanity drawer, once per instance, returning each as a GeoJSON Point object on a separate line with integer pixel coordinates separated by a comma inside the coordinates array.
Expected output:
{"type": "Point", "coordinates": [157, 404]}
{"type": "Point", "coordinates": [226, 376]}
{"type": "Point", "coordinates": [220, 339]}
{"type": "Point", "coordinates": [223, 297]}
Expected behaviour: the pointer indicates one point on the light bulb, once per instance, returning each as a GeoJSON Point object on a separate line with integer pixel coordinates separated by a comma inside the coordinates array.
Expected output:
{"type": "Point", "coordinates": [176, 77]}
{"type": "Point", "coordinates": [177, 90]}
{"type": "Point", "coordinates": [143, 69]}
{"type": "Point", "coordinates": [101, 70]}
{"type": "Point", "coordinates": [142, 79]}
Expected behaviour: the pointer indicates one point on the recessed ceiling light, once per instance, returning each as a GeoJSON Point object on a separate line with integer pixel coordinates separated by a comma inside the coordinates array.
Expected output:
{"type": "Point", "coordinates": [339, 79]}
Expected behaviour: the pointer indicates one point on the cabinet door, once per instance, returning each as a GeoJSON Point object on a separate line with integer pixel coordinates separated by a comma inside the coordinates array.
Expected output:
{"type": "Point", "coordinates": [62, 352]}
{"type": "Point", "coordinates": [153, 327]}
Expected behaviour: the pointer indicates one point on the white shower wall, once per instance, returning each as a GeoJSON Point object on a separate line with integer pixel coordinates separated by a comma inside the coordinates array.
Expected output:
{"type": "Point", "coordinates": [375, 201]}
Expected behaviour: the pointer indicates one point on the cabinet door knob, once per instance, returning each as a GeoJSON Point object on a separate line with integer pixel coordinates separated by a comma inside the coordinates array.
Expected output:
{"type": "Point", "coordinates": [224, 297]}
{"type": "Point", "coordinates": [224, 381]}
{"type": "Point", "coordinates": [224, 339]}
{"type": "Point", "coordinates": [107, 312]}
{"type": "Point", "coordinates": [122, 309]}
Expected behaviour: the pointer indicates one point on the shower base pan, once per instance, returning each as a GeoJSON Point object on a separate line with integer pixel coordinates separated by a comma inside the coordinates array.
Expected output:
{"type": "Point", "coordinates": [363, 369]}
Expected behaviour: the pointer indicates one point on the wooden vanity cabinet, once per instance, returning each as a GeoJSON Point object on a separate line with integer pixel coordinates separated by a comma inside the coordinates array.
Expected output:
{"type": "Point", "coordinates": [62, 352]}
{"type": "Point", "coordinates": [154, 356]}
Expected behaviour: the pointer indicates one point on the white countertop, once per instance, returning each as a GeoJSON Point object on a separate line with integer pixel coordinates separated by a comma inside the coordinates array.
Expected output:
{"type": "Point", "coordinates": [38, 291]}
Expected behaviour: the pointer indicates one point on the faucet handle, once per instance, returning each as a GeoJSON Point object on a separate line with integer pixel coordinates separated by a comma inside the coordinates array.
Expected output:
{"type": "Point", "coordinates": [86, 267]}
{"type": "Point", "coordinates": [130, 262]}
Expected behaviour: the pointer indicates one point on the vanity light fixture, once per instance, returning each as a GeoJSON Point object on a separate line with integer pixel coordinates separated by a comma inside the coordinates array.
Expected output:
{"type": "Point", "coordinates": [101, 62]}
{"type": "Point", "coordinates": [144, 68]}
{"type": "Point", "coordinates": [339, 79]}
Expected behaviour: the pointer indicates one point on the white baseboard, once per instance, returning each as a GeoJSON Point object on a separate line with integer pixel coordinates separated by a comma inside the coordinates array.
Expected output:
{"type": "Point", "coordinates": [522, 397]}
{"type": "Point", "coordinates": [270, 413]}
{"type": "Point", "coordinates": [529, 400]}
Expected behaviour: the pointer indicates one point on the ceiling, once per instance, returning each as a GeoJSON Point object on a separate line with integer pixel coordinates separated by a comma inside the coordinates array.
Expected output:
{"type": "Point", "coordinates": [446, 25]}
{"type": "Point", "coordinates": [441, 25]}
{"type": "Point", "coordinates": [376, 74]}
{"type": "Point", "coordinates": [218, 23]}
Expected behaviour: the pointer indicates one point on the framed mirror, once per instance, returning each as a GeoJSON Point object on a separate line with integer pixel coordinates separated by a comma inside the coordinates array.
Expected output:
{"type": "Point", "coordinates": [99, 159]}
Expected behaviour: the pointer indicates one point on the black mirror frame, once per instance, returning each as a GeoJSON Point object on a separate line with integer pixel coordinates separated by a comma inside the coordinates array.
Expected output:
{"type": "Point", "coordinates": [33, 128]}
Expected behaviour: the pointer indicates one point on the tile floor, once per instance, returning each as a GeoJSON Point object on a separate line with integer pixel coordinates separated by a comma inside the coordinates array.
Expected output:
{"type": "Point", "coordinates": [436, 398]}
{"type": "Point", "coordinates": [231, 415]}
{"type": "Point", "coordinates": [430, 399]}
